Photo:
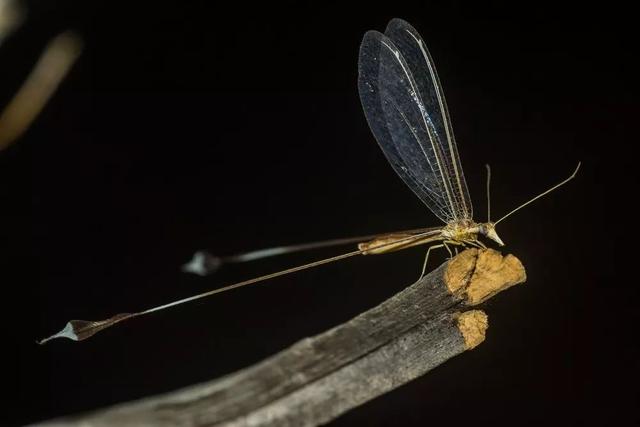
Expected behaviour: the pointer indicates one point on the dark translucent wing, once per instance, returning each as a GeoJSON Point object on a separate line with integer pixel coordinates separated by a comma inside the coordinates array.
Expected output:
{"type": "Point", "coordinates": [398, 118]}
{"type": "Point", "coordinates": [417, 57]}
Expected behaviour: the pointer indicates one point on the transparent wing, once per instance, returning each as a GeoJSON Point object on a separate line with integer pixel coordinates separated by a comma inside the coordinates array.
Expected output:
{"type": "Point", "coordinates": [403, 126]}
{"type": "Point", "coordinates": [417, 57]}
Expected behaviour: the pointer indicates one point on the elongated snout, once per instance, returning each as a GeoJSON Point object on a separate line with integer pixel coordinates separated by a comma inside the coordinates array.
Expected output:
{"type": "Point", "coordinates": [489, 230]}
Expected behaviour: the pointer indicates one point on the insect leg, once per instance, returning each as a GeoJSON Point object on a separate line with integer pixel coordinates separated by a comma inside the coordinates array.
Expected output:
{"type": "Point", "coordinates": [472, 243]}
{"type": "Point", "coordinates": [446, 244]}
{"type": "Point", "coordinates": [426, 258]}
{"type": "Point", "coordinates": [455, 244]}
{"type": "Point", "coordinates": [475, 243]}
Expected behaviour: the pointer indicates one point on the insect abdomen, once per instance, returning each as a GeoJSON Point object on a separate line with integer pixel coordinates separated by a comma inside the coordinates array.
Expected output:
{"type": "Point", "coordinates": [392, 242]}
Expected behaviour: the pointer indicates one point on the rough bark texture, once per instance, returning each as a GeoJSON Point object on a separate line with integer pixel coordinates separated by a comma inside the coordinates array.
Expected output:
{"type": "Point", "coordinates": [321, 377]}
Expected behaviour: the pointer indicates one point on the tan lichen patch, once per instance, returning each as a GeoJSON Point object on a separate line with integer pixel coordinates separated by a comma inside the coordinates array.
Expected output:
{"type": "Point", "coordinates": [493, 273]}
{"type": "Point", "coordinates": [459, 270]}
{"type": "Point", "coordinates": [473, 326]}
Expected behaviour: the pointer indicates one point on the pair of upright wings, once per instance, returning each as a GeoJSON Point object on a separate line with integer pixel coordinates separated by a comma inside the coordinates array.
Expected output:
{"type": "Point", "coordinates": [407, 113]}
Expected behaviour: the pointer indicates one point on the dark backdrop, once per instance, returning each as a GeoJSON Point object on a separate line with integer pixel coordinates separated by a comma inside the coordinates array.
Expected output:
{"type": "Point", "coordinates": [194, 126]}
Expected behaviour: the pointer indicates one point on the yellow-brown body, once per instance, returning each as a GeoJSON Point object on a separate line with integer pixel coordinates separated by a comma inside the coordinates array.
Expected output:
{"type": "Point", "coordinates": [462, 233]}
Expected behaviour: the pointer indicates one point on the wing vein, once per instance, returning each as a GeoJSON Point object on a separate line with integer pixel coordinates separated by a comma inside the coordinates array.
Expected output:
{"type": "Point", "coordinates": [417, 138]}
{"type": "Point", "coordinates": [436, 149]}
{"type": "Point", "coordinates": [445, 119]}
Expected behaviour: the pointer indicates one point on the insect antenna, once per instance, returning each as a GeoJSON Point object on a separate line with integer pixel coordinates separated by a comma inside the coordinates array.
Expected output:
{"type": "Point", "coordinates": [488, 192]}
{"type": "Point", "coordinates": [542, 194]}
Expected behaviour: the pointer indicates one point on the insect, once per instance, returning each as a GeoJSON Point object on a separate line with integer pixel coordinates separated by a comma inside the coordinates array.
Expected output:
{"type": "Point", "coordinates": [406, 110]}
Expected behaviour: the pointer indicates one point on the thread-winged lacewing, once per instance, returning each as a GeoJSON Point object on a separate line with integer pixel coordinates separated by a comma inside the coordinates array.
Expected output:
{"type": "Point", "coordinates": [406, 110]}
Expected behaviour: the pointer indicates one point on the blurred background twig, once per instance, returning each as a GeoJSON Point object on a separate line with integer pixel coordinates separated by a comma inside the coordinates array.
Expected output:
{"type": "Point", "coordinates": [51, 68]}
{"type": "Point", "coordinates": [11, 15]}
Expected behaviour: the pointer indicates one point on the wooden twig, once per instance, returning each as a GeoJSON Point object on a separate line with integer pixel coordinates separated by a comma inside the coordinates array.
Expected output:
{"type": "Point", "coordinates": [319, 378]}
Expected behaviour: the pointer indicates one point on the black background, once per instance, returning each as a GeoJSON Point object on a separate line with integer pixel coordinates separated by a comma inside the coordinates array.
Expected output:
{"type": "Point", "coordinates": [234, 128]}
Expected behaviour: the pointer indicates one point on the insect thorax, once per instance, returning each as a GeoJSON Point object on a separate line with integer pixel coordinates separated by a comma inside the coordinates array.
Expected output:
{"type": "Point", "coordinates": [461, 230]}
